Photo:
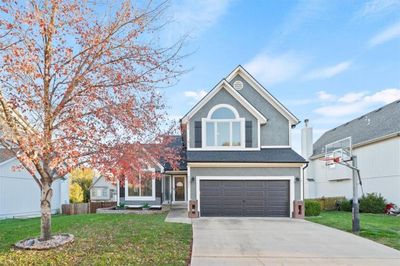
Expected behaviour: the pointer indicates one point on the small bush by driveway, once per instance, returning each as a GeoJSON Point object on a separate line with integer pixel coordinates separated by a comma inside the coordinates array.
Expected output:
{"type": "Point", "coordinates": [101, 239]}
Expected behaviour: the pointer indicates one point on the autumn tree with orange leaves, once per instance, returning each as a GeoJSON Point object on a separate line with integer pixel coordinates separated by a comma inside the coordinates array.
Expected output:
{"type": "Point", "coordinates": [81, 89]}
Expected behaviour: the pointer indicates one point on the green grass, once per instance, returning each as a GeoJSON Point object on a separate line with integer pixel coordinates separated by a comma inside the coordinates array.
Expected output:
{"type": "Point", "coordinates": [377, 227]}
{"type": "Point", "coordinates": [101, 239]}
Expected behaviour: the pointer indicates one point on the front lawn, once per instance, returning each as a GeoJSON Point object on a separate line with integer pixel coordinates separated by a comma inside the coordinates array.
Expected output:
{"type": "Point", "coordinates": [101, 239]}
{"type": "Point", "coordinates": [378, 227]}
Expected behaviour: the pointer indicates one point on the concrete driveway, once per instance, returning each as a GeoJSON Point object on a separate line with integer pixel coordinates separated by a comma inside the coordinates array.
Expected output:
{"type": "Point", "coordinates": [253, 241]}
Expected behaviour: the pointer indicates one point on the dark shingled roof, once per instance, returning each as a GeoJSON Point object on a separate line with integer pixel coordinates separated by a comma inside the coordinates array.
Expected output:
{"type": "Point", "coordinates": [378, 123]}
{"type": "Point", "coordinates": [270, 155]}
{"type": "Point", "coordinates": [5, 154]}
{"type": "Point", "coordinates": [177, 143]}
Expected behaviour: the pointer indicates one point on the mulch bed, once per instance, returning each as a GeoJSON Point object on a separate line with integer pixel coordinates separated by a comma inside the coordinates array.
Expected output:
{"type": "Point", "coordinates": [113, 210]}
{"type": "Point", "coordinates": [37, 244]}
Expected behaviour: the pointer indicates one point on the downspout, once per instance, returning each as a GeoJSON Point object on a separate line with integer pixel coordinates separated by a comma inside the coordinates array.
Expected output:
{"type": "Point", "coordinates": [303, 168]}
{"type": "Point", "coordinates": [118, 195]}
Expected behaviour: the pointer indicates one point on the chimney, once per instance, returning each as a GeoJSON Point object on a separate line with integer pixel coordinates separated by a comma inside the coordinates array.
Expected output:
{"type": "Point", "coordinates": [306, 140]}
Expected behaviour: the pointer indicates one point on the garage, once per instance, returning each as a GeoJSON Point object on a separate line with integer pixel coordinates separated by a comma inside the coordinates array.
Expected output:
{"type": "Point", "coordinates": [248, 198]}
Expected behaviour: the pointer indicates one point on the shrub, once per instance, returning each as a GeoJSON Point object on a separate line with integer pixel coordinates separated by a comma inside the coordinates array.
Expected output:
{"type": "Point", "coordinates": [329, 203]}
{"type": "Point", "coordinates": [345, 205]}
{"type": "Point", "coordinates": [313, 208]}
{"type": "Point", "coordinates": [372, 203]}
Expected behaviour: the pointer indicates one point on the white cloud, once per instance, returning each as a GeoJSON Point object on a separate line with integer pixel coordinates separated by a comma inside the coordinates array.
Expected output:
{"type": "Point", "coordinates": [271, 69]}
{"type": "Point", "coordinates": [324, 96]}
{"type": "Point", "coordinates": [377, 7]}
{"type": "Point", "coordinates": [351, 97]}
{"type": "Point", "coordinates": [194, 17]}
{"type": "Point", "coordinates": [195, 95]}
{"type": "Point", "coordinates": [388, 34]}
{"type": "Point", "coordinates": [356, 103]}
{"type": "Point", "coordinates": [328, 72]}
{"type": "Point", "coordinates": [385, 96]}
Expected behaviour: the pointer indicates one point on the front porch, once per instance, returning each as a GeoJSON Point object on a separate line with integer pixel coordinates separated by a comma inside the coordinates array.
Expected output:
{"type": "Point", "coordinates": [175, 189]}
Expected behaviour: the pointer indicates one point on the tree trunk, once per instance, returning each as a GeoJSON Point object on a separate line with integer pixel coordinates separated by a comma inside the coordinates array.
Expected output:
{"type": "Point", "coordinates": [45, 209]}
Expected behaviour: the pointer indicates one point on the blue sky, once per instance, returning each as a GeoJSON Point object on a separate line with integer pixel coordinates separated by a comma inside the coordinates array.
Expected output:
{"type": "Point", "coordinates": [329, 61]}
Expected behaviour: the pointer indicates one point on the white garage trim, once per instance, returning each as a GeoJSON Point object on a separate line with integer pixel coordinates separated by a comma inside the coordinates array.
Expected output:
{"type": "Point", "coordinates": [240, 178]}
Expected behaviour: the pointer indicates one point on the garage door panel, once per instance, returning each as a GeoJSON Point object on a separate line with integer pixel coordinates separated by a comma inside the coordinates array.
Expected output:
{"type": "Point", "coordinates": [232, 193]}
{"type": "Point", "coordinates": [255, 184]}
{"type": "Point", "coordinates": [251, 198]}
{"type": "Point", "coordinates": [231, 184]}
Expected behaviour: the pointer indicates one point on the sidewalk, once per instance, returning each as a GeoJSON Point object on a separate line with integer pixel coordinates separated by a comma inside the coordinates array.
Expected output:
{"type": "Point", "coordinates": [178, 214]}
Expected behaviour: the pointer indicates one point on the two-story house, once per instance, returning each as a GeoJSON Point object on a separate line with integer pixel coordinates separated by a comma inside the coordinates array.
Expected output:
{"type": "Point", "coordinates": [239, 160]}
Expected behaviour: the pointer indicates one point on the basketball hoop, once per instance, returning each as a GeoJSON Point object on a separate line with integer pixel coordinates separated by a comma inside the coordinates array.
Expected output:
{"type": "Point", "coordinates": [331, 160]}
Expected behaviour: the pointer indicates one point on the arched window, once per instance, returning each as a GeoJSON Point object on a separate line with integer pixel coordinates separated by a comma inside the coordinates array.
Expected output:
{"type": "Point", "coordinates": [223, 128]}
{"type": "Point", "coordinates": [223, 113]}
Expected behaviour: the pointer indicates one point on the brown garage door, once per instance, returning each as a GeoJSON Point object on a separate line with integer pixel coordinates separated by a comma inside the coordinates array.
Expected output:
{"type": "Point", "coordinates": [250, 198]}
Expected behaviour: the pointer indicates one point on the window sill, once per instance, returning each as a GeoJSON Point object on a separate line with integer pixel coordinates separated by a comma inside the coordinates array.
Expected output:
{"type": "Point", "coordinates": [224, 149]}
{"type": "Point", "coordinates": [150, 198]}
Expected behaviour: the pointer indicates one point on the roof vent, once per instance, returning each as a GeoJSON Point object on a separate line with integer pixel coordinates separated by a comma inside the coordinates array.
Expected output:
{"type": "Point", "coordinates": [238, 85]}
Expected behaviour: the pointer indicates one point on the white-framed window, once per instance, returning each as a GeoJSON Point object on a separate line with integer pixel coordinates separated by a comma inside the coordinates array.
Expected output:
{"type": "Point", "coordinates": [223, 128]}
{"type": "Point", "coordinates": [100, 192]}
{"type": "Point", "coordinates": [142, 189]}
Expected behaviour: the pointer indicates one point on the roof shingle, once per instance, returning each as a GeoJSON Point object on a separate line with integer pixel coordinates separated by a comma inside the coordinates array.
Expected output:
{"type": "Point", "coordinates": [378, 123]}
{"type": "Point", "coordinates": [270, 155]}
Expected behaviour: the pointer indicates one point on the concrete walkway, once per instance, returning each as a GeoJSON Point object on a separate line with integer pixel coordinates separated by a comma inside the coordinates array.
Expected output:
{"type": "Point", "coordinates": [178, 214]}
{"type": "Point", "coordinates": [263, 241]}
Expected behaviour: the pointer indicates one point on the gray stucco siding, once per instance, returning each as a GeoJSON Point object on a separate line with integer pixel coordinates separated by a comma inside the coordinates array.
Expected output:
{"type": "Point", "coordinates": [245, 172]}
{"type": "Point", "coordinates": [223, 97]}
{"type": "Point", "coordinates": [276, 131]}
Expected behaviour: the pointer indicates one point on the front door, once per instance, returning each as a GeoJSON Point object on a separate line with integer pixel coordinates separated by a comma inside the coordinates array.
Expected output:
{"type": "Point", "coordinates": [179, 185]}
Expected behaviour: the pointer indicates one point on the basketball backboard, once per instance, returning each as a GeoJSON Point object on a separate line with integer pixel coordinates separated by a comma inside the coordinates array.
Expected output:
{"type": "Point", "coordinates": [338, 151]}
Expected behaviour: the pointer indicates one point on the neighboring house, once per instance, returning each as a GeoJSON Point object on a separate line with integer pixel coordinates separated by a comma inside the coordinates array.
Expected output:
{"type": "Point", "coordinates": [239, 160]}
{"type": "Point", "coordinates": [19, 193]}
{"type": "Point", "coordinates": [103, 190]}
{"type": "Point", "coordinates": [375, 142]}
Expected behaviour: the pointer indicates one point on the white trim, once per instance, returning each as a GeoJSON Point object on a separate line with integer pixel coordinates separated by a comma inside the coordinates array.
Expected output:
{"type": "Point", "coordinates": [224, 84]}
{"type": "Point", "coordinates": [118, 192]}
{"type": "Point", "coordinates": [290, 134]}
{"type": "Point", "coordinates": [222, 105]}
{"type": "Point", "coordinates": [141, 198]}
{"type": "Point", "coordinates": [9, 160]}
{"type": "Point", "coordinates": [189, 184]}
{"type": "Point", "coordinates": [187, 135]}
{"type": "Point", "coordinates": [301, 182]}
{"type": "Point", "coordinates": [245, 165]}
{"type": "Point", "coordinates": [290, 178]}
{"type": "Point", "coordinates": [204, 122]}
{"type": "Point", "coordinates": [277, 146]}
{"type": "Point", "coordinates": [184, 188]}
{"type": "Point", "coordinates": [263, 92]}
{"type": "Point", "coordinates": [259, 134]}
{"type": "Point", "coordinates": [234, 148]}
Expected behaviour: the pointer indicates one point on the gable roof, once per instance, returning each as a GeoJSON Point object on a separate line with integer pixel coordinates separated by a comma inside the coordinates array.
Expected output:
{"type": "Point", "coordinates": [239, 70]}
{"type": "Point", "coordinates": [224, 84]}
{"type": "Point", "coordinates": [380, 123]}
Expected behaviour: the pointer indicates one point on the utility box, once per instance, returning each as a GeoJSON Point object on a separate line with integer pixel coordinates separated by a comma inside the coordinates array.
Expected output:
{"type": "Point", "coordinates": [193, 211]}
{"type": "Point", "coordinates": [298, 209]}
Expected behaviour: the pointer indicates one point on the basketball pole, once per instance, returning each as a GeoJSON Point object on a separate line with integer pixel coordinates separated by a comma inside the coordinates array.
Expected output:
{"type": "Point", "coordinates": [356, 206]}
